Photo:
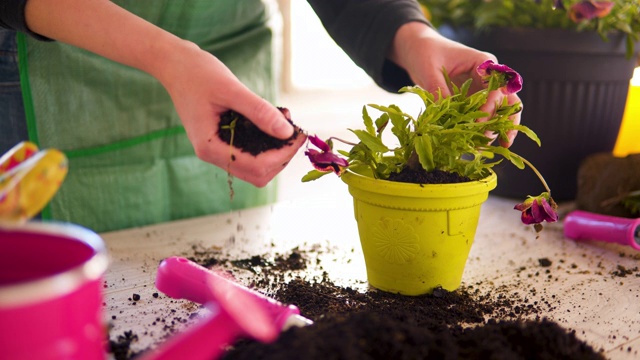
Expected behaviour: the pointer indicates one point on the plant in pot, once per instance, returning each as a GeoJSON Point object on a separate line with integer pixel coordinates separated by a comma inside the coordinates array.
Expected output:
{"type": "Point", "coordinates": [417, 204]}
{"type": "Point", "coordinates": [578, 58]}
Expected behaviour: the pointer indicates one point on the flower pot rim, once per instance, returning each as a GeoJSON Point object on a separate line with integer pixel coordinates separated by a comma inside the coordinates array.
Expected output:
{"type": "Point", "coordinates": [527, 39]}
{"type": "Point", "coordinates": [358, 178]}
{"type": "Point", "coordinates": [55, 285]}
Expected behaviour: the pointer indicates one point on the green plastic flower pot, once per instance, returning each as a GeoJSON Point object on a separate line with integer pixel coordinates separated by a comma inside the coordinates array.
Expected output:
{"type": "Point", "coordinates": [415, 237]}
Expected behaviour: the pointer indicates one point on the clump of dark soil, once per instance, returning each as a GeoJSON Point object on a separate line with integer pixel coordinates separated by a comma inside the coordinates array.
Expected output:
{"type": "Point", "coordinates": [473, 322]}
{"type": "Point", "coordinates": [443, 325]}
{"type": "Point", "coordinates": [421, 176]}
{"type": "Point", "coordinates": [477, 321]}
{"type": "Point", "coordinates": [373, 335]}
{"type": "Point", "coordinates": [120, 347]}
{"type": "Point", "coordinates": [235, 129]}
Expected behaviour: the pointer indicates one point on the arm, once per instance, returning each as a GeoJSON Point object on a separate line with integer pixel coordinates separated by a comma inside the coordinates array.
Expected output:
{"type": "Point", "coordinates": [423, 52]}
{"type": "Point", "coordinates": [365, 30]}
{"type": "Point", "coordinates": [394, 43]}
{"type": "Point", "coordinates": [200, 86]}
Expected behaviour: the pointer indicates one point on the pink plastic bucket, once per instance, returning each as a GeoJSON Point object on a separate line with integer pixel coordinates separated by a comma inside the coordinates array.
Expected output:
{"type": "Point", "coordinates": [51, 292]}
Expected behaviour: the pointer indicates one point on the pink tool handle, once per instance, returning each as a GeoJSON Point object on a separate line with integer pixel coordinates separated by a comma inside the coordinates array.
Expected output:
{"type": "Point", "coordinates": [205, 340]}
{"type": "Point", "coordinates": [181, 278]}
{"type": "Point", "coordinates": [583, 225]}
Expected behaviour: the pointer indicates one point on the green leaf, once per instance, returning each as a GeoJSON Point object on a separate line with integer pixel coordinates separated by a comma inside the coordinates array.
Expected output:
{"type": "Point", "coordinates": [372, 142]}
{"type": "Point", "coordinates": [368, 123]}
{"type": "Point", "coordinates": [424, 149]}
{"type": "Point", "coordinates": [530, 134]}
{"type": "Point", "coordinates": [474, 115]}
{"type": "Point", "coordinates": [314, 175]}
{"type": "Point", "coordinates": [382, 122]}
{"type": "Point", "coordinates": [427, 97]}
{"type": "Point", "coordinates": [507, 154]}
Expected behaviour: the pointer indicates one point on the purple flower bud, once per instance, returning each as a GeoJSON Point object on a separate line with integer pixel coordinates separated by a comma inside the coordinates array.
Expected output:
{"type": "Point", "coordinates": [587, 10]}
{"type": "Point", "coordinates": [537, 209]}
{"type": "Point", "coordinates": [325, 160]}
{"type": "Point", "coordinates": [512, 80]}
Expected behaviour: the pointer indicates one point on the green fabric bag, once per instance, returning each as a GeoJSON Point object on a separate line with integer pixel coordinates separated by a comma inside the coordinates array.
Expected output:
{"type": "Point", "coordinates": [130, 162]}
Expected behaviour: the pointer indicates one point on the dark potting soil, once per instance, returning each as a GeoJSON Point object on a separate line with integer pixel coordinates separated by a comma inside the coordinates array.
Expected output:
{"type": "Point", "coordinates": [421, 176]}
{"type": "Point", "coordinates": [478, 321]}
{"type": "Point", "coordinates": [443, 325]}
{"type": "Point", "coordinates": [355, 324]}
{"type": "Point", "coordinates": [249, 138]}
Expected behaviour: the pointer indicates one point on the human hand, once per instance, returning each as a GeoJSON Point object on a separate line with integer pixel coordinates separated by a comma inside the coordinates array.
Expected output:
{"type": "Point", "coordinates": [423, 53]}
{"type": "Point", "coordinates": [202, 88]}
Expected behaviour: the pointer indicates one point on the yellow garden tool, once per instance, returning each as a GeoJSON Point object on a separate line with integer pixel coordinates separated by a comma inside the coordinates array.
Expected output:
{"type": "Point", "coordinates": [28, 180]}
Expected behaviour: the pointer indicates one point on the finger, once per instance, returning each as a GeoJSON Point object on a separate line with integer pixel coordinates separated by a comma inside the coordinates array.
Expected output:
{"type": "Point", "coordinates": [516, 118]}
{"type": "Point", "coordinates": [436, 87]}
{"type": "Point", "coordinates": [261, 169]}
{"type": "Point", "coordinates": [493, 99]}
{"type": "Point", "coordinates": [263, 114]}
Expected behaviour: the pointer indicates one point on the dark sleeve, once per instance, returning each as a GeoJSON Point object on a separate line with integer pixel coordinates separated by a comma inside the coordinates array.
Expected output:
{"type": "Point", "coordinates": [12, 17]}
{"type": "Point", "coordinates": [364, 29]}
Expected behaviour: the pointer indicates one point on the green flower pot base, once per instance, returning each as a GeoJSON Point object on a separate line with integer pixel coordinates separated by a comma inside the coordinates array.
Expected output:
{"type": "Point", "coordinates": [416, 238]}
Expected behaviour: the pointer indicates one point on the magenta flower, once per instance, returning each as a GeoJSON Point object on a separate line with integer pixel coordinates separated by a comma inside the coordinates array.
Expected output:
{"type": "Point", "coordinates": [537, 209]}
{"type": "Point", "coordinates": [325, 160]}
{"type": "Point", "coordinates": [587, 10]}
{"type": "Point", "coordinates": [512, 81]}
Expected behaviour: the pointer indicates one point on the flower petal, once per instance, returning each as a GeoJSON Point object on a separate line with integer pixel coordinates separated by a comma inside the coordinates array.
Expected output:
{"type": "Point", "coordinates": [513, 80]}
{"type": "Point", "coordinates": [513, 85]}
{"type": "Point", "coordinates": [326, 161]}
{"type": "Point", "coordinates": [537, 209]}
{"type": "Point", "coordinates": [319, 143]}
{"type": "Point", "coordinates": [587, 10]}
{"type": "Point", "coordinates": [537, 212]}
{"type": "Point", "coordinates": [527, 218]}
{"type": "Point", "coordinates": [550, 212]}
{"type": "Point", "coordinates": [483, 69]}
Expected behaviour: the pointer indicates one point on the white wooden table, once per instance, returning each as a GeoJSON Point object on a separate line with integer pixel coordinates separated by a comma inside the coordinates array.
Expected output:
{"type": "Point", "coordinates": [580, 285]}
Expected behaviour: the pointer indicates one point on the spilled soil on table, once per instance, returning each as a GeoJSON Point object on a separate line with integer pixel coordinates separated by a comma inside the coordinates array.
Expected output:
{"type": "Point", "coordinates": [478, 321]}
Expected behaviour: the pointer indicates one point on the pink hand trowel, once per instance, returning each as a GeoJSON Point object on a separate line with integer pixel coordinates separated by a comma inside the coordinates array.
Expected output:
{"type": "Point", "coordinates": [236, 311]}
{"type": "Point", "coordinates": [583, 225]}
{"type": "Point", "coordinates": [181, 278]}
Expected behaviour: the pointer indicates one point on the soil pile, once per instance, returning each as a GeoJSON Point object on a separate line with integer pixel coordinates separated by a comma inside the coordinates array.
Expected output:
{"type": "Point", "coordinates": [478, 321]}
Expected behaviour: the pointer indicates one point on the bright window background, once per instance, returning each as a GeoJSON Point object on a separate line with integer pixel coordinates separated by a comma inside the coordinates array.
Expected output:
{"type": "Point", "coordinates": [316, 61]}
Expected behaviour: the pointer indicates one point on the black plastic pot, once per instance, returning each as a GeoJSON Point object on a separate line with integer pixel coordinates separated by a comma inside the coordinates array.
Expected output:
{"type": "Point", "coordinates": [575, 89]}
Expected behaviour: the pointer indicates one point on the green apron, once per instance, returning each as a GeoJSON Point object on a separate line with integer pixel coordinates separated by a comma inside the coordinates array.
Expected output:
{"type": "Point", "coordinates": [130, 162]}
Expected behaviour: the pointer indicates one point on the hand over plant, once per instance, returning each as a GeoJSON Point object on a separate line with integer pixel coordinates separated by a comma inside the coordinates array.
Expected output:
{"type": "Point", "coordinates": [445, 136]}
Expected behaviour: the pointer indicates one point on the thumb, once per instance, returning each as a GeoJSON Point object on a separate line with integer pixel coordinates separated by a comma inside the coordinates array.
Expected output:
{"type": "Point", "coordinates": [264, 115]}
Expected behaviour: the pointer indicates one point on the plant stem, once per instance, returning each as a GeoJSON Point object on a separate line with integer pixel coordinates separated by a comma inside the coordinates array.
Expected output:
{"type": "Point", "coordinates": [342, 141]}
{"type": "Point", "coordinates": [530, 165]}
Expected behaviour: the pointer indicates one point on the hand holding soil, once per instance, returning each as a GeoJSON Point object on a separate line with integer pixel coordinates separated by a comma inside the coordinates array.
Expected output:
{"type": "Point", "coordinates": [253, 155]}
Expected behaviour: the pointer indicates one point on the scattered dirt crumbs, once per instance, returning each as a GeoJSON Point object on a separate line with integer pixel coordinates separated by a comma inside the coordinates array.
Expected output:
{"type": "Point", "coordinates": [478, 321]}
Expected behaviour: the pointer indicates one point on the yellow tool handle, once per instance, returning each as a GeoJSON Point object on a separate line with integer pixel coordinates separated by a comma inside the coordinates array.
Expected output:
{"type": "Point", "coordinates": [28, 180]}
{"type": "Point", "coordinates": [16, 155]}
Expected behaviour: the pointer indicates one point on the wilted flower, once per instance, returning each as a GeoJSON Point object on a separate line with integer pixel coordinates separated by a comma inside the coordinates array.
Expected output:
{"type": "Point", "coordinates": [537, 209]}
{"type": "Point", "coordinates": [325, 160]}
{"type": "Point", "coordinates": [511, 80]}
{"type": "Point", "coordinates": [587, 10]}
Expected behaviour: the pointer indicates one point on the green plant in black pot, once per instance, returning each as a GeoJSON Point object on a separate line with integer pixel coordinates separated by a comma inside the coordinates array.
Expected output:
{"type": "Point", "coordinates": [578, 58]}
